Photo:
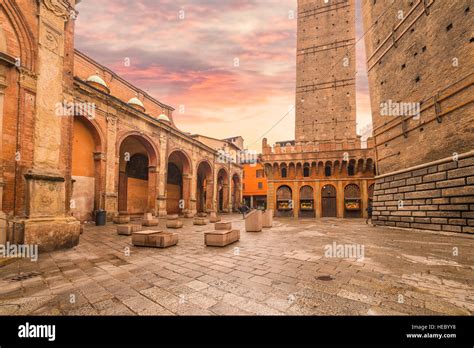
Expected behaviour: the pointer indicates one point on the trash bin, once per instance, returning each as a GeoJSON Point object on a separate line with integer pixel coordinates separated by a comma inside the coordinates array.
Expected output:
{"type": "Point", "coordinates": [100, 217]}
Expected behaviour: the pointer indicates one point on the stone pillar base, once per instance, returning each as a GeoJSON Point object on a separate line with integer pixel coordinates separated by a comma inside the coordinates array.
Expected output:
{"type": "Point", "coordinates": [52, 233]}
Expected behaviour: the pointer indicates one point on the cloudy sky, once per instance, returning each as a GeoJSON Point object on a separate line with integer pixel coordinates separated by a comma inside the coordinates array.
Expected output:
{"type": "Point", "coordinates": [229, 64]}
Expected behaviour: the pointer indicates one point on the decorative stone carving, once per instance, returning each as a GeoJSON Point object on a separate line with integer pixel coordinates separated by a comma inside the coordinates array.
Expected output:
{"type": "Point", "coordinates": [60, 9]}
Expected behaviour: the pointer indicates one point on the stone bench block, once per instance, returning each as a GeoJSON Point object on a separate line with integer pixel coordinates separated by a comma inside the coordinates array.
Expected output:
{"type": "Point", "coordinates": [151, 222]}
{"type": "Point", "coordinates": [200, 221]}
{"type": "Point", "coordinates": [253, 221]}
{"type": "Point", "coordinates": [122, 219]}
{"type": "Point", "coordinates": [223, 226]}
{"type": "Point", "coordinates": [267, 218]}
{"type": "Point", "coordinates": [127, 230]}
{"type": "Point", "coordinates": [154, 239]}
{"type": "Point", "coordinates": [221, 238]}
{"type": "Point", "coordinates": [174, 224]}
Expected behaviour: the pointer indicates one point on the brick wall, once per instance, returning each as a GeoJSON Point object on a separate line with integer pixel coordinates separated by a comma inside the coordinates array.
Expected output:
{"type": "Point", "coordinates": [420, 52]}
{"type": "Point", "coordinates": [438, 196]}
{"type": "Point", "coordinates": [325, 72]}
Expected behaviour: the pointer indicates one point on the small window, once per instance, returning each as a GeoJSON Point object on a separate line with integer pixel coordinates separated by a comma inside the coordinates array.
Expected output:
{"type": "Point", "coordinates": [351, 170]}
{"type": "Point", "coordinates": [260, 173]}
{"type": "Point", "coordinates": [283, 172]}
{"type": "Point", "coordinates": [306, 171]}
{"type": "Point", "coordinates": [243, 186]}
{"type": "Point", "coordinates": [260, 186]}
{"type": "Point", "coordinates": [327, 171]}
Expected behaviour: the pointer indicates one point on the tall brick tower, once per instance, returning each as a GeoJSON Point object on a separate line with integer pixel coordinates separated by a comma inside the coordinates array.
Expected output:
{"type": "Point", "coordinates": [326, 69]}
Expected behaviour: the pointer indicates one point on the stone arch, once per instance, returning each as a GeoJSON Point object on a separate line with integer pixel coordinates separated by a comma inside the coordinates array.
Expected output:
{"type": "Point", "coordinates": [137, 179]}
{"type": "Point", "coordinates": [204, 186]}
{"type": "Point", "coordinates": [352, 201]}
{"type": "Point", "coordinates": [329, 201]}
{"type": "Point", "coordinates": [178, 182]}
{"type": "Point", "coordinates": [223, 190]}
{"type": "Point", "coordinates": [86, 169]}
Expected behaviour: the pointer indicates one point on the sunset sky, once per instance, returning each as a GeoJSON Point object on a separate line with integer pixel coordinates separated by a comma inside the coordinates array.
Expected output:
{"type": "Point", "coordinates": [186, 52]}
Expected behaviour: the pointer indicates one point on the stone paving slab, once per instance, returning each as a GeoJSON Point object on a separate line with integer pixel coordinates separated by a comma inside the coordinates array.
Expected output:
{"type": "Point", "coordinates": [292, 269]}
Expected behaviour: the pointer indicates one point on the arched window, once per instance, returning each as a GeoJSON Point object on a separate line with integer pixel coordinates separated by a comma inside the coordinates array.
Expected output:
{"type": "Point", "coordinates": [284, 172]}
{"type": "Point", "coordinates": [327, 171]}
{"type": "Point", "coordinates": [306, 171]}
{"type": "Point", "coordinates": [351, 170]}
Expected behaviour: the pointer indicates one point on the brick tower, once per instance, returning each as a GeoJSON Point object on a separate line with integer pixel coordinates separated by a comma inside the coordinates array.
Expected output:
{"type": "Point", "coordinates": [326, 69]}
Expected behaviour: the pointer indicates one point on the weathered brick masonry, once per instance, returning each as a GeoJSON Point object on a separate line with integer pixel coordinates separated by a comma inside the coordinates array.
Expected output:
{"type": "Point", "coordinates": [421, 53]}
{"type": "Point", "coordinates": [436, 196]}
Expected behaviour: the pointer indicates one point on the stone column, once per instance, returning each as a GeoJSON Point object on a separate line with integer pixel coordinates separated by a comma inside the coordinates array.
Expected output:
{"type": "Point", "coordinates": [162, 176]}
{"type": "Point", "coordinates": [296, 200]}
{"type": "Point", "coordinates": [215, 208]}
{"type": "Point", "coordinates": [209, 196]}
{"type": "Point", "coordinates": [192, 196]}
{"type": "Point", "coordinates": [226, 197]}
{"type": "Point", "coordinates": [364, 192]}
{"type": "Point", "coordinates": [152, 189]}
{"type": "Point", "coordinates": [340, 199]}
{"type": "Point", "coordinates": [187, 194]}
{"type": "Point", "coordinates": [318, 201]}
{"type": "Point", "coordinates": [47, 224]}
{"type": "Point", "coordinates": [110, 198]}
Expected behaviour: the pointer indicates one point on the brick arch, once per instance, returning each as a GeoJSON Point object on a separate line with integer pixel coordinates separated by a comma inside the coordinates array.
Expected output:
{"type": "Point", "coordinates": [137, 196]}
{"type": "Point", "coordinates": [205, 160]}
{"type": "Point", "coordinates": [204, 186]}
{"type": "Point", "coordinates": [146, 141]}
{"type": "Point", "coordinates": [188, 163]}
{"type": "Point", "coordinates": [96, 130]}
{"type": "Point", "coordinates": [23, 33]}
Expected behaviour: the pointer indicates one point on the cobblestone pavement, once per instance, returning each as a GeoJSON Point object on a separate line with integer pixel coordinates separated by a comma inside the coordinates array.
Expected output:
{"type": "Point", "coordinates": [283, 270]}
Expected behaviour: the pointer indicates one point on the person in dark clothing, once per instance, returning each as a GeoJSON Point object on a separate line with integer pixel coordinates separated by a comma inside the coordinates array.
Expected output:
{"type": "Point", "coordinates": [369, 215]}
{"type": "Point", "coordinates": [244, 209]}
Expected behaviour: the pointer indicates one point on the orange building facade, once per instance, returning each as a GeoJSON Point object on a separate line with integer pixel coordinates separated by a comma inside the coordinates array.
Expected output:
{"type": "Point", "coordinates": [255, 185]}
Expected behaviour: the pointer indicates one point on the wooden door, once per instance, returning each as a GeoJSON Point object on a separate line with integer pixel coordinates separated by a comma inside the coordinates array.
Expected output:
{"type": "Point", "coordinates": [329, 201]}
